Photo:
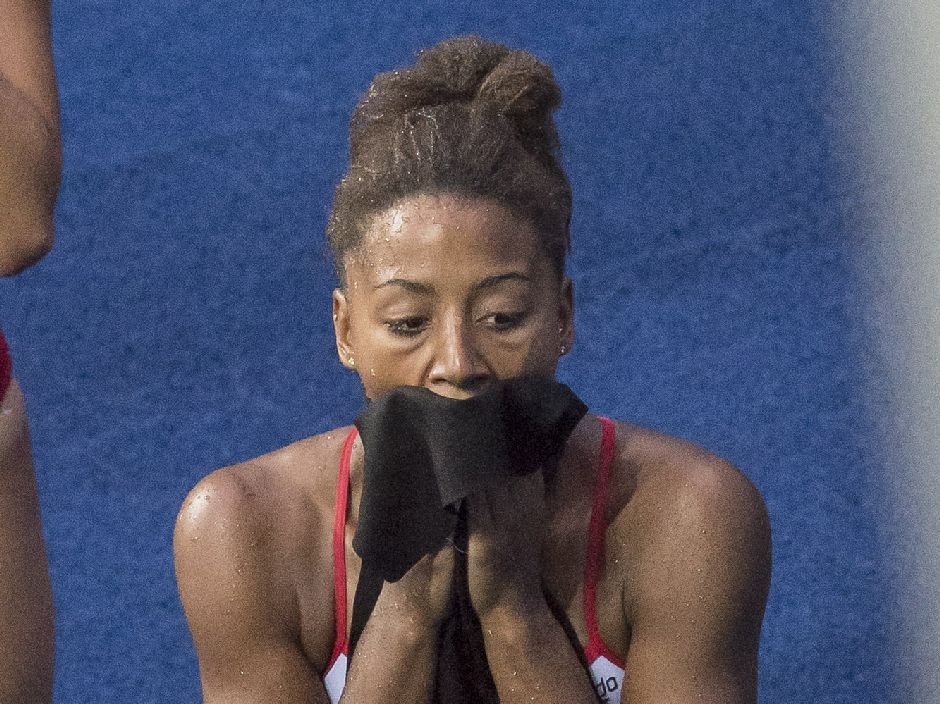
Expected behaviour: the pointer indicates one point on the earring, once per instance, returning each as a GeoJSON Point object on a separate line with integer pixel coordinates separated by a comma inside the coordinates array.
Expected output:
{"type": "Point", "coordinates": [564, 349]}
{"type": "Point", "coordinates": [352, 362]}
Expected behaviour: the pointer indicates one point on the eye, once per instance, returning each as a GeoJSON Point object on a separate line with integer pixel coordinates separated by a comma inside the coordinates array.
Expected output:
{"type": "Point", "coordinates": [503, 320]}
{"type": "Point", "coordinates": [407, 327]}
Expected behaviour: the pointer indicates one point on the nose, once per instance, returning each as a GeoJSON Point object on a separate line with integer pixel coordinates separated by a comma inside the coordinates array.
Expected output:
{"type": "Point", "coordinates": [457, 370]}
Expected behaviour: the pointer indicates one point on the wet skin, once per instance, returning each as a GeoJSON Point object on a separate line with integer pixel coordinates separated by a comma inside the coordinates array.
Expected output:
{"type": "Point", "coordinates": [452, 293]}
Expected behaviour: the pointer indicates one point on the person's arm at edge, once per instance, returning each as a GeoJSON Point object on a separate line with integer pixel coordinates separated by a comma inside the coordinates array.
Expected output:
{"type": "Point", "coordinates": [27, 616]}
{"type": "Point", "coordinates": [699, 601]}
{"type": "Point", "coordinates": [30, 144]}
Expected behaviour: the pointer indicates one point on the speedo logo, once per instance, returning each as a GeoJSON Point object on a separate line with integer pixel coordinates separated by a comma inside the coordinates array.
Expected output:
{"type": "Point", "coordinates": [605, 686]}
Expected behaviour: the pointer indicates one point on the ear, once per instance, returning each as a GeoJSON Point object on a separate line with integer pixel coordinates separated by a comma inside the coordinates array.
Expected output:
{"type": "Point", "coordinates": [344, 347]}
{"type": "Point", "coordinates": [566, 314]}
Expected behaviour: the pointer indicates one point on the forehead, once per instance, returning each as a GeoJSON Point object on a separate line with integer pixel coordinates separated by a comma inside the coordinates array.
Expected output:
{"type": "Point", "coordinates": [446, 232]}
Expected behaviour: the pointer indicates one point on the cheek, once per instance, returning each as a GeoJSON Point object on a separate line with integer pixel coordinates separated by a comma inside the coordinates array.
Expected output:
{"type": "Point", "coordinates": [542, 357]}
{"type": "Point", "coordinates": [546, 346]}
{"type": "Point", "coordinates": [533, 351]}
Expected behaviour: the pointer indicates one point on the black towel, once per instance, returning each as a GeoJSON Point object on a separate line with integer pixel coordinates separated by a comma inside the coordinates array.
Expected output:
{"type": "Point", "coordinates": [423, 455]}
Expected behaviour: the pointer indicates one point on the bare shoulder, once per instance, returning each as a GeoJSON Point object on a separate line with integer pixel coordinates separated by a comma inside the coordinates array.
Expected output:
{"type": "Point", "coordinates": [695, 523]}
{"type": "Point", "coordinates": [267, 495]}
{"type": "Point", "coordinates": [247, 535]}
{"type": "Point", "coordinates": [676, 478]}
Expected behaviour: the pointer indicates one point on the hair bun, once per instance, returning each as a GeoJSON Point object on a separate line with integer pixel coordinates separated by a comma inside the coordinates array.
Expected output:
{"type": "Point", "coordinates": [520, 86]}
{"type": "Point", "coordinates": [459, 65]}
{"type": "Point", "coordinates": [486, 77]}
{"type": "Point", "coordinates": [470, 118]}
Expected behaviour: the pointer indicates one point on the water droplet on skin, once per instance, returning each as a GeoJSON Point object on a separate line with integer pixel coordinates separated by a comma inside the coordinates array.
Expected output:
{"type": "Point", "coordinates": [398, 221]}
{"type": "Point", "coordinates": [371, 372]}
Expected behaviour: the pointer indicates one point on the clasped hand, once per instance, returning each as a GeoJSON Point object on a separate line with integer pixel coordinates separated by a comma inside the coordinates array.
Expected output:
{"type": "Point", "coordinates": [506, 526]}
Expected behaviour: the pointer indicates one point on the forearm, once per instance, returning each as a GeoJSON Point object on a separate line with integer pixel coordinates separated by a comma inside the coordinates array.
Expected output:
{"type": "Point", "coordinates": [531, 658]}
{"type": "Point", "coordinates": [26, 613]}
{"type": "Point", "coordinates": [394, 660]}
{"type": "Point", "coordinates": [30, 166]}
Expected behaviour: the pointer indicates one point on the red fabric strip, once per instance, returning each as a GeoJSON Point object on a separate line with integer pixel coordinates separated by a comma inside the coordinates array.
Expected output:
{"type": "Point", "coordinates": [339, 548]}
{"type": "Point", "coordinates": [596, 646]}
{"type": "Point", "coordinates": [6, 366]}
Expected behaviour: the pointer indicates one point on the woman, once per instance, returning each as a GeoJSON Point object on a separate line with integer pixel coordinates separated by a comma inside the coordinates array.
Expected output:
{"type": "Point", "coordinates": [449, 233]}
{"type": "Point", "coordinates": [30, 165]}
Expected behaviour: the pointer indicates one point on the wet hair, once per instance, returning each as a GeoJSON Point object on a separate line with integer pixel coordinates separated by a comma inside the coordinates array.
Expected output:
{"type": "Point", "coordinates": [470, 118]}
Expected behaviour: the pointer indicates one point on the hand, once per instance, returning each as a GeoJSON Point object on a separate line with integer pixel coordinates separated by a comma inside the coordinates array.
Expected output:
{"type": "Point", "coordinates": [424, 593]}
{"type": "Point", "coordinates": [504, 555]}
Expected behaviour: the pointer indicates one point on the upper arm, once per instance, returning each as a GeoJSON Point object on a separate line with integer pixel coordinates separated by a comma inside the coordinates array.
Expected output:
{"type": "Point", "coordinates": [699, 599]}
{"type": "Point", "coordinates": [30, 147]}
{"type": "Point", "coordinates": [26, 54]}
{"type": "Point", "coordinates": [240, 612]}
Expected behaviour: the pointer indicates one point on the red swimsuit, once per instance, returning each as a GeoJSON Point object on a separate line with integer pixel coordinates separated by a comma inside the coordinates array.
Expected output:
{"type": "Point", "coordinates": [6, 366]}
{"type": "Point", "coordinates": [606, 668]}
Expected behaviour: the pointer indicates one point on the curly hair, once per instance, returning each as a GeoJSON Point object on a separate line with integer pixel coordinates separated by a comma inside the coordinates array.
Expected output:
{"type": "Point", "coordinates": [471, 118]}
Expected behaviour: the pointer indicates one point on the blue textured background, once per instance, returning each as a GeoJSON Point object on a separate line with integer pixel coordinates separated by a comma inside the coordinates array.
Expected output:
{"type": "Point", "coordinates": [182, 322]}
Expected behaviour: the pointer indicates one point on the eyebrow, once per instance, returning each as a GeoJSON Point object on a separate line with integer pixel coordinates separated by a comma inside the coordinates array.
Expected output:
{"type": "Point", "coordinates": [423, 288]}
{"type": "Point", "coordinates": [413, 286]}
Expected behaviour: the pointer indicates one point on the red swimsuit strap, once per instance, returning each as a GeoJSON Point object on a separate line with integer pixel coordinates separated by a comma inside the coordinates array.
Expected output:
{"type": "Point", "coordinates": [596, 646]}
{"type": "Point", "coordinates": [6, 366]}
{"type": "Point", "coordinates": [339, 548]}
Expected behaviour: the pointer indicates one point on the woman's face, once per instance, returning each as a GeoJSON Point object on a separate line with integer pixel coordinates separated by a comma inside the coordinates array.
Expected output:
{"type": "Point", "coordinates": [450, 293]}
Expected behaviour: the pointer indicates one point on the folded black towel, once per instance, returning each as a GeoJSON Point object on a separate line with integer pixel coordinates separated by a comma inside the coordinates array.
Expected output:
{"type": "Point", "coordinates": [423, 455]}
